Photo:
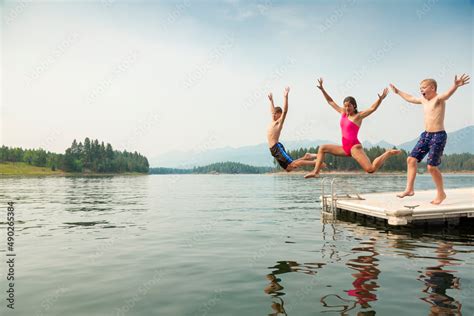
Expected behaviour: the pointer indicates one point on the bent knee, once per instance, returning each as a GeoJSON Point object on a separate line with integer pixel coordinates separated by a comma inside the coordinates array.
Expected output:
{"type": "Point", "coordinates": [323, 148]}
{"type": "Point", "coordinates": [411, 160]}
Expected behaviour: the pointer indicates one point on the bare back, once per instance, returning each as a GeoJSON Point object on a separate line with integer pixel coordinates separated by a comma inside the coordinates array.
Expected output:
{"type": "Point", "coordinates": [434, 111]}
{"type": "Point", "coordinates": [273, 132]}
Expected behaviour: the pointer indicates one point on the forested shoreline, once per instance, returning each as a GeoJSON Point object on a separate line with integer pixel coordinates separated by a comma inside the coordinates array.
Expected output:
{"type": "Point", "coordinates": [91, 156]}
{"type": "Point", "coordinates": [452, 162]}
{"type": "Point", "coordinates": [88, 157]}
{"type": "Point", "coordinates": [219, 167]}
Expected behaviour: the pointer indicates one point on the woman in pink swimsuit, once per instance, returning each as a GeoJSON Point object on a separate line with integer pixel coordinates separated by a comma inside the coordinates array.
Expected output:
{"type": "Point", "coordinates": [351, 120]}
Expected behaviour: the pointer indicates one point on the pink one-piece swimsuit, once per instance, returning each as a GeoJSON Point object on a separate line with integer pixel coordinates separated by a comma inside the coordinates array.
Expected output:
{"type": "Point", "coordinates": [349, 134]}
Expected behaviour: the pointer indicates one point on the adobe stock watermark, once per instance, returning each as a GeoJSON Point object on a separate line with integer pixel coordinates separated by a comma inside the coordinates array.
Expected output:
{"type": "Point", "coordinates": [447, 66]}
{"type": "Point", "coordinates": [251, 9]}
{"type": "Point", "coordinates": [375, 58]}
{"type": "Point", "coordinates": [50, 139]}
{"type": "Point", "coordinates": [267, 247]}
{"type": "Point", "coordinates": [204, 230]}
{"type": "Point", "coordinates": [10, 255]}
{"type": "Point", "coordinates": [210, 141]}
{"type": "Point", "coordinates": [336, 15]}
{"type": "Point", "coordinates": [259, 94]}
{"type": "Point", "coordinates": [304, 129]}
{"type": "Point", "coordinates": [302, 293]}
{"type": "Point", "coordinates": [207, 143]}
{"type": "Point", "coordinates": [426, 8]}
{"type": "Point", "coordinates": [142, 128]}
{"type": "Point", "coordinates": [211, 303]}
{"type": "Point", "coordinates": [107, 3]}
{"type": "Point", "coordinates": [103, 246]}
{"type": "Point", "coordinates": [48, 302]}
{"type": "Point", "coordinates": [175, 14]}
{"type": "Point", "coordinates": [264, 6]}
{"type": "Point", "coordinates": [15, 12]}
{"type": "Point", "coordinates": [215, 56]}
{"type": "Point", "coordinates": [117, 71]}
{"type": "Point", "coordinates": [461, 136]}
{"type": "Point", "coordinates": [52, 57]}
{"type": "Point", "coordinates": [140, 293]}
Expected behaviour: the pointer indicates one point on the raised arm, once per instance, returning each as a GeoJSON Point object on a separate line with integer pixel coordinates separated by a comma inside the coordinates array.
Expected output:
{"type": "Point", "coordinates": [376, 104]}
{"type": "Point", "coordinates": [285, 104]}
{"type": "Point", "coordinates": [407, 97]}
{"type": "Point", "coordinates": [464, 79]}
{"type": "Point", "coordinates": [272, 105]}
{"type": "Point", "coordinates": [327, 97]}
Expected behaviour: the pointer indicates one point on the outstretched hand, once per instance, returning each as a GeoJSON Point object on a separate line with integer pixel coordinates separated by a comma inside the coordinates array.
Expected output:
{"type": "Point", "coordinates": [383, 95]}
{"type": "Point", "coordinates": [394, 89]}
{"type": "Point", "coordinates": [287, 90]}
{"type": "Point", "coordinates": [464, 79]}
{"type": "Point", "coordinates": [270, 96]}
{"type": "Point", "coordinates": [320, 84]}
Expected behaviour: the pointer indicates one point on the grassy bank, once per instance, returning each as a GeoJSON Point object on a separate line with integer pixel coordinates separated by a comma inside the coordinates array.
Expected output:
{"type": "Point", "coordinates": [24, 169]}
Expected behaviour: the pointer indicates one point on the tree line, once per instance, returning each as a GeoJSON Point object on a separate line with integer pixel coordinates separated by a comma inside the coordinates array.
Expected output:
{"type": "Point", "coordinates": [219, 167]}
{"type": "Point", "coordinates": [452, 162]}
{"type": "Point", "coordinates": [90, 156]}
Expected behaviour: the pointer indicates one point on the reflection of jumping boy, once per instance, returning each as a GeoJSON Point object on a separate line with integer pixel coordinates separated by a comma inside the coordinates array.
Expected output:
{"type": "Point", "coordinates": [433, 139]}
{"type": "Point", "coordinates": [273, 134]}
{"type": "Point", "coordinates": [438, 281]}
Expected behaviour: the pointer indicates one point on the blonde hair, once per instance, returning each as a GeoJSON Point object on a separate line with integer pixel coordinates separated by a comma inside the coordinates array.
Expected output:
{"type": "Point", "coordinates": [431, 82]}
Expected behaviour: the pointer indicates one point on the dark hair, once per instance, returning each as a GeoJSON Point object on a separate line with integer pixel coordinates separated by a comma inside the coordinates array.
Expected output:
{"type": "Point", "coordinates": [278, 109]}
{"type": "Point", "coordinates": [352, 101]}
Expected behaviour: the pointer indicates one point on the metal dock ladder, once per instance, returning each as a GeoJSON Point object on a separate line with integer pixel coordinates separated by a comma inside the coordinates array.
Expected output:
{"type": "Point", "coordinates": [329, 201]}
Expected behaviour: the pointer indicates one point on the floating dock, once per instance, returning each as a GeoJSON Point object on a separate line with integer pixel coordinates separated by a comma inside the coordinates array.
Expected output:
{"type": "Point", "coordinates": [458, 204]}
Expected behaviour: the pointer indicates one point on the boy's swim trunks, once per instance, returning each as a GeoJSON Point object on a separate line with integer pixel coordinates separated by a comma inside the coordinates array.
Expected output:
{"type": "Point", "coordinates": [280, 154]}
{"type": "Point", "coordinates": [431, 144]}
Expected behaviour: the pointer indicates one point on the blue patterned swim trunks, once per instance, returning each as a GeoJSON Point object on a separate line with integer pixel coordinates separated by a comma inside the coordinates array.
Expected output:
{"type": "Point", "coordinates": [431, 144]}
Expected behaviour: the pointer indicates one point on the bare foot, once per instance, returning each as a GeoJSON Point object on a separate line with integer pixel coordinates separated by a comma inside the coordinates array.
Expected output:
{"type": "Point", "coordinates": [406, 193]}
{"type": "Point", "coordinates": [439, 198]}
{"type": "Point", "coordinates": [311, 175]}
{"type": "Point", "coordinates": [393, 152]}
{"type": "Point", "coordinates": [323, 165]}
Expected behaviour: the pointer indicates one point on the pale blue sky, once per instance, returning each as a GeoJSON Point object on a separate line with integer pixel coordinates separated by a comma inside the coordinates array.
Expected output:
{"type": "Point", "coordinates": [157, 76]}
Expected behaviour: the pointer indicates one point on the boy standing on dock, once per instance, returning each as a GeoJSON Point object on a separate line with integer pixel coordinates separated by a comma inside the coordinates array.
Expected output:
{"type": "Point", "coordinates": [433, 139]}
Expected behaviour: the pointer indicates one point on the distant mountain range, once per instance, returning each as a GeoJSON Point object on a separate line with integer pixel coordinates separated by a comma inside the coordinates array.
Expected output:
{"type": "Point", "coordinates": [460, 141]}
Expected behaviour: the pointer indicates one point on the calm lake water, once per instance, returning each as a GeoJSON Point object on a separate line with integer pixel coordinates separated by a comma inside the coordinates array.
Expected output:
{"type": "Point", "coordinates": [224, 245]}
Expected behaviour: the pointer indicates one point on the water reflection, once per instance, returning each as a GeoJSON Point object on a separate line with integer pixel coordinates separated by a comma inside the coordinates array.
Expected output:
{"type": "Point", "coordinates": [275, 289]}
{"type": "Point", "coordinates": [363, 260]}
{"type": "Point", "coordinates": [278, 307]}
{"type": "Point", "coordinates": [293, 266]}
{"type": "Point", "coordinates": [364, 285]}
{"type": "Point", "coordinates": [438, 279]}
{"type": "Point", "coordinates": [342, 305]}
{"type": "Point", "coordinates": [367, 273]}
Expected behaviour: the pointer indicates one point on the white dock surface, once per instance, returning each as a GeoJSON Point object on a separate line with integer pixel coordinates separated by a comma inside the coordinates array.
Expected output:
{"type": "Point", "coordinates": [459, 203]}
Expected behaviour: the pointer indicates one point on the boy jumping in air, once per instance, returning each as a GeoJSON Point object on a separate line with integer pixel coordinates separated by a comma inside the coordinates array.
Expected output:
{"type": "Point", "coordinates": [273, 134]}
{"type": "Point", "coordinates": [433, 139]}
